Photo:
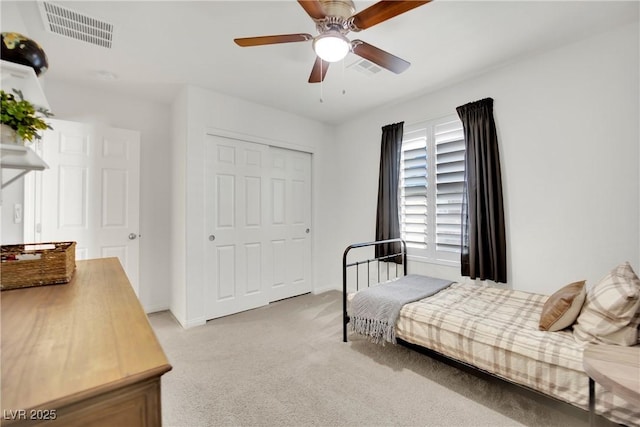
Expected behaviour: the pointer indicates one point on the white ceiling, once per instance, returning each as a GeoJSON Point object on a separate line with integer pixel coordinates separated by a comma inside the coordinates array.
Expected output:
{"type": "Point", "coordinates": [159, 46]}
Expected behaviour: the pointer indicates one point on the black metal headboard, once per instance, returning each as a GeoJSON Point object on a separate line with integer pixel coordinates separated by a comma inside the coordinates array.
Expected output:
{"type": "Point", "coordinates": [387, 259]}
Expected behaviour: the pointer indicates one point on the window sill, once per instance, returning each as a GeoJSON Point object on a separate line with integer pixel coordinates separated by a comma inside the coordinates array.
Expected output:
{"type": "Point", "coordinates": [424, 260]}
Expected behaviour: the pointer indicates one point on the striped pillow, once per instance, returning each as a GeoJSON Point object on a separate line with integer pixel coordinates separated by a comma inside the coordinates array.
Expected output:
{"type": "Point", "coordinates": [611, 313]}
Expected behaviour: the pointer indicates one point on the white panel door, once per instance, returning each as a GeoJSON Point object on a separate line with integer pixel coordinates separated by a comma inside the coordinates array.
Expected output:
{"type": "Point", "coordinates": [289, 216]}
{"type": "Point", "coordinates": [90, 193]}
{"type": "Point", "coordinates": [235, 188]}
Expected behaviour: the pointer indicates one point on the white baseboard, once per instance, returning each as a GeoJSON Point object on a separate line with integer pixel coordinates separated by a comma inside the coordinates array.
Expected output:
{"type": "Point", "coordinates": [156, 309]}
{"type": "Point", "coordinates": [192, 323]}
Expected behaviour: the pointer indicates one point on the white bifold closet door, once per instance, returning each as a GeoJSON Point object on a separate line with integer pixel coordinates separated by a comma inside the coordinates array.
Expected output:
{"type": "Point", "coordinates": [258, 217]}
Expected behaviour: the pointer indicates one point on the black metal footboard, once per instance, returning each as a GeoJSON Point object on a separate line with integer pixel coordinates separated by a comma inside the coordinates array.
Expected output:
{"type": "Point", "coordinates": [371, 279]}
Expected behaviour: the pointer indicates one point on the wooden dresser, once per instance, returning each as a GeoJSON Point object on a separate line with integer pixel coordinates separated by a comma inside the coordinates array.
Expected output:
{"type": "Point", "coordinates": [80, 354]}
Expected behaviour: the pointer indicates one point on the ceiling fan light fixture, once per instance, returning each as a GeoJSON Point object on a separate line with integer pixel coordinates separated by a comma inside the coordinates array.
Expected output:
{"type": "Point", "coordinates": [331, 46]}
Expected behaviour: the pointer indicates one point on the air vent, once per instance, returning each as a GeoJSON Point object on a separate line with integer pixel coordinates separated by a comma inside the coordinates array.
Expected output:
{"type": "Point", "coordinates": [69, 23]}
{"type": "Point", "coordinates": [365, 67]}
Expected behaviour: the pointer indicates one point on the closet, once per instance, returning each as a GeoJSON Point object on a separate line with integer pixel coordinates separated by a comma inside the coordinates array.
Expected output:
{"type": "Point", "coordinates": [257, 217]}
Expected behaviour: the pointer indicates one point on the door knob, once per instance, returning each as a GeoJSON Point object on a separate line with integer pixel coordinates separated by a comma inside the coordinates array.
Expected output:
{"type": "Point", "coordinates": [133, 236]}
{"type": "Point", "coordinates": [307, 231]}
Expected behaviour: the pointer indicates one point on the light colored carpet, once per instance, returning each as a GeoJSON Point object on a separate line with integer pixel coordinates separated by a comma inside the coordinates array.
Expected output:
{"type": "Point", "coordinates": [286, 365]}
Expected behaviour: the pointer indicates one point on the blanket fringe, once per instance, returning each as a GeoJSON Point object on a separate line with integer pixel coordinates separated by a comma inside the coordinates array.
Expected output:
{"type": "Point", "coordinates": [376, 330]}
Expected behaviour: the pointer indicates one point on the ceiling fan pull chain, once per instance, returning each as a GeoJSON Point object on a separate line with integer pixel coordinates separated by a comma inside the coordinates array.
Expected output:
{"type": "Point", "coordinates": [321, 93]}
{"type": "Point", "coordinates": [344, 87]}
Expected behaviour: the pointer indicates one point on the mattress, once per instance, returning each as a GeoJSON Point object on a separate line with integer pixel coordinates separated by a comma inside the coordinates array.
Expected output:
{"type": "Point", "coordinates": [496, 330]}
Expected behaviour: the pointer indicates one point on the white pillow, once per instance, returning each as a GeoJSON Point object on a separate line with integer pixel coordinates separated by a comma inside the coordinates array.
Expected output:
{"type": "Point", "coordinates": [610, 314]}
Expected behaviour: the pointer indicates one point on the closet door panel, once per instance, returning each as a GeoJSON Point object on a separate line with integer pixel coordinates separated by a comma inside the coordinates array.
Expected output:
{"type": "Point", "coordinates": [234, 217]}
{"type": "Point", "coordinates": [290, 223]}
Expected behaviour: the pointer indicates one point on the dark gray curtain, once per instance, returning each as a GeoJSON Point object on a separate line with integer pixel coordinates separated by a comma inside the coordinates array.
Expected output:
{"type": "Point", "coordinates": [387, 221]}
{"type": "Point", "coordinates": [484, 248]}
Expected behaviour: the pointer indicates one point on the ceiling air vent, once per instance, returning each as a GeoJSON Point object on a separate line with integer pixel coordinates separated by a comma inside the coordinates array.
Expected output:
{"type": "Point", "coordinates": [69, 23]}
{"type": "Point", "coordinates": [365, 67]}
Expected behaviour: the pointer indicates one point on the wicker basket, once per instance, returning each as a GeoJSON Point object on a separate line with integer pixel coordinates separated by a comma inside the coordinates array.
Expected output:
{"type": "Point", "coordinates": [37, 264]}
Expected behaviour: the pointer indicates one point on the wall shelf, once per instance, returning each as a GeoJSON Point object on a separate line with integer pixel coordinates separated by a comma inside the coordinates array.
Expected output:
{"type": "Point", "coordinates": [21, 158]}
{"type": "Point", "coordinates": [13, 156]}
{"type": "Point", "coordinates": [22, 77]}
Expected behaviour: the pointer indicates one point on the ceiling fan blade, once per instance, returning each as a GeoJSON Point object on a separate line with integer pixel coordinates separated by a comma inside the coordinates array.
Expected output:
{"type": "Point", "coordinates": [383, 10]}
{"type": "Point", "coordinates": [379, 56]}
{"type": "Point", "coordinates": [319, 70]}
{"type": "Point", "coordinates": [313, 8]}
{"type": "Point", "coordinates": [264, 40]}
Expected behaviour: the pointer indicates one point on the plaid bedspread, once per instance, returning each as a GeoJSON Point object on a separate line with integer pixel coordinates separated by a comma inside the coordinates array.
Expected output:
{"type": "Point", "coordinates": [497, 330]}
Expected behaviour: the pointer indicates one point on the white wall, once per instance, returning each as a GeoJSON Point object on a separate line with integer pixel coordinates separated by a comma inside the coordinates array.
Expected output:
{"type": "Point", "coordinates": [208, 111]}
{"type": "Point", "coordinates": [11, 21]}
{"type": "Point", "coordinates": [178, 198]}
{"type": "Point", "coordinates": [567, 125]}
{"type": "Point", "coordinates": [12, 233]}
{"type": "Point", "coordinates": [73, 102]}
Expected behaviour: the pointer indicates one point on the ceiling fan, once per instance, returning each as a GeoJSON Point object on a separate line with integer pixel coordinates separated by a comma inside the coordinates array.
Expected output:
{"type": "Point", "coordinates": [334, 19]}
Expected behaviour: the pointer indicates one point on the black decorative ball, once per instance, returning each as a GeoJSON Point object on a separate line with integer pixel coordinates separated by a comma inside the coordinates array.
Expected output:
{"type": "Point", "coordinates": [22, 50]}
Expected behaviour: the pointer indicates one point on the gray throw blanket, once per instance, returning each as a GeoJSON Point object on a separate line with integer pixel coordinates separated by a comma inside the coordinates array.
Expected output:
{"type": "Point", "coordinates": [374, 310]}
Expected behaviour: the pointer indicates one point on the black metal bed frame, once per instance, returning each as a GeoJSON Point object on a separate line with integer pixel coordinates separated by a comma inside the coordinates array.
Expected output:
{"type": "Point", "coordinates": [467, 367]}
{"type": "Point", "coordinates": [346, 265]}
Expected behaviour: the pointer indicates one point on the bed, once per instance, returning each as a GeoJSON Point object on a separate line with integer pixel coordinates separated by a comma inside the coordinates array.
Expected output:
{"type": "Point", "coordinates": [491, 329]}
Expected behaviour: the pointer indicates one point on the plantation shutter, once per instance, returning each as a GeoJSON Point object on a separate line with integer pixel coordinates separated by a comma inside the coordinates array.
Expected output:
{"type": "Point", "coordinates": [413, 189]}
{"type": "Point", "coordinates": [431, 186]}
{"type": "Point", "coordinates": [450, 152]}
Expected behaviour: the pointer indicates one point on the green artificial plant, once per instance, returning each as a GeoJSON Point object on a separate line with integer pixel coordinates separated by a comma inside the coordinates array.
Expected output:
{"type": "Point", "coordinates": [21, 116]}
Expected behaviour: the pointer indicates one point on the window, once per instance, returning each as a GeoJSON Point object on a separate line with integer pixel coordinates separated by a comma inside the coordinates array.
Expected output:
{"type": "Point", "coordinates": [431, 184]}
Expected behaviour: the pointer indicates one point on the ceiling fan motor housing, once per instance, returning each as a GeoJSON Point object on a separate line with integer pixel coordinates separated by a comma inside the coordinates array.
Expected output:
{"type": "Point", "coordinates": [333, 24]}
{"type": "Point", "coordinates": [338, 16]}
{"type": "Point", "coordinates": [341, 8]}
